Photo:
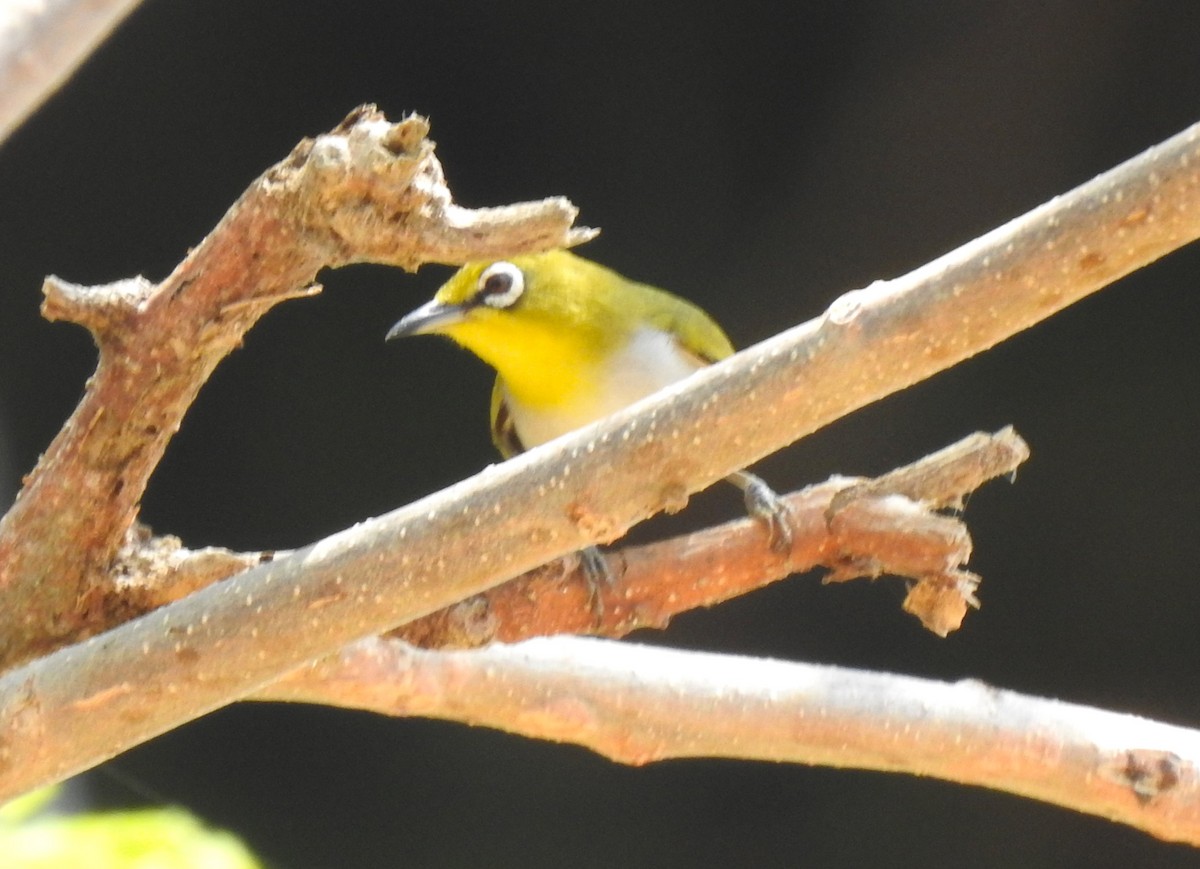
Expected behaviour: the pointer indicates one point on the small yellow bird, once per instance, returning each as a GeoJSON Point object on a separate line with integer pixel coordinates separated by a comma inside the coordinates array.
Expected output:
{"type": "Point", "coordinates": [571, 342]}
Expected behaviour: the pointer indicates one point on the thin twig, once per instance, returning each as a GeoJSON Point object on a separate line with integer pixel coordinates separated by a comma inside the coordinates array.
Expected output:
{"type": "Point", "coordinates": [637, 704]}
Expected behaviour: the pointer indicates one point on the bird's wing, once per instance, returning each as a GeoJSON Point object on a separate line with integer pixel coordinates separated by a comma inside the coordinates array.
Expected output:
{"type": "Point", "coordinates": [504, 429]}
{"type": "Point", "coordinates": [696, 333]}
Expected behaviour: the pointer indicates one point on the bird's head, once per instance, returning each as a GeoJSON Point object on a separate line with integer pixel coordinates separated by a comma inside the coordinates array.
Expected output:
{"type": "Point", "coordinates": [530, 315]}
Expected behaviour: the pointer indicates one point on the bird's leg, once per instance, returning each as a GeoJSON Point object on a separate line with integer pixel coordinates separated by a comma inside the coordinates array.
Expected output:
{"type": "Point", "coordinates": [599, 576]}
{"type": "Point", "coordinates": [763, 504]}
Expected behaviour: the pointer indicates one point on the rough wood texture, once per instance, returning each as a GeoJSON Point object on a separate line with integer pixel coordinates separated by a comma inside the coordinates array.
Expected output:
{"type": "Point", "coordinates": [368, 190]}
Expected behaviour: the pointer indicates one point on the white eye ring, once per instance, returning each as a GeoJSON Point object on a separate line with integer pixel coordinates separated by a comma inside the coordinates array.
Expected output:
{"type": "Point", "coordinates": [500, 285]}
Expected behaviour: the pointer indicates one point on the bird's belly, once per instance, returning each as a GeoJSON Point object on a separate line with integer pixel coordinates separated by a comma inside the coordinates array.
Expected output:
{"type": "Point", "coordinates": [650, 361]}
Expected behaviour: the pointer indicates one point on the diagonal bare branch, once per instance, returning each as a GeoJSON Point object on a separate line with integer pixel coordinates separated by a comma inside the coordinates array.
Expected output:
{"type": "Point", "coordinates": [638, 704]}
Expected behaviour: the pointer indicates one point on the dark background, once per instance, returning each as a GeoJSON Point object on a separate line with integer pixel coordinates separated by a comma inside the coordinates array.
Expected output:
{"type": "Point", "coordinates": [760, 158]}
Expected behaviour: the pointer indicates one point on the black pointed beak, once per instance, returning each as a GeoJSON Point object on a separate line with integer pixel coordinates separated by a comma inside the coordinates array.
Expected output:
{"type": "Point", "coordinates": [428, 318]}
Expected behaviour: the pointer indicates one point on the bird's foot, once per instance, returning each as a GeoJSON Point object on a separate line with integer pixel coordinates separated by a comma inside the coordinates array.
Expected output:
{"type": "Point", "coordinates": [599, 577]}
{"type": "Point", "coordinates": [765, 505]}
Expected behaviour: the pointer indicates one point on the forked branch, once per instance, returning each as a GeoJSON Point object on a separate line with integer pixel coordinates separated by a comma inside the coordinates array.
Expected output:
{"type": "Point", "coordinates": [368, 190]}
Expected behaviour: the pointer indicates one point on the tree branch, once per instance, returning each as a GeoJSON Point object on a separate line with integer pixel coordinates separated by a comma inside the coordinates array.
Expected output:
{"type": "Point", "coordinates": [638, 704]}
{"type": "Point", "coordinates": [852, 527]}
{"type": "Point", "coordinates": [41, 44]}
{"type": "Point", "coordinates": [369, 190]}
{"type": "Point", "coordinates": [87, 702]}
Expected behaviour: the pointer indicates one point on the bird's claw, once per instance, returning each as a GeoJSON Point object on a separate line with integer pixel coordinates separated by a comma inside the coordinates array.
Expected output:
{"type": "Point", "coordinates": [599, 577]}
{"type": "Point", "coordinates": [765, 505]}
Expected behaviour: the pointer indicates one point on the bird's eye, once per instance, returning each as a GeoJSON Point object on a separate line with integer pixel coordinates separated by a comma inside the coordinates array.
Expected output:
{"type": "Point", "coordinates": [500, 285]}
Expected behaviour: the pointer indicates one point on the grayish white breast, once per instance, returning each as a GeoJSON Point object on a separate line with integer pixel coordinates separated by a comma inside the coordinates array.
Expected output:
{"type": "Point", "coordinates": [651, 360]}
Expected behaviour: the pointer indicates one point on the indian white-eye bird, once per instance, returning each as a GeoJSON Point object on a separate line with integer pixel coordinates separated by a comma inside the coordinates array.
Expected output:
{"type": "Point", "coordinates": [571, 342]}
